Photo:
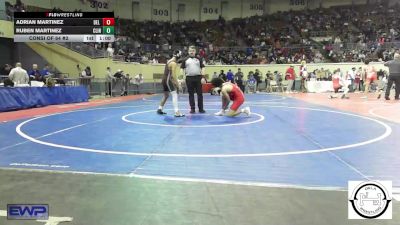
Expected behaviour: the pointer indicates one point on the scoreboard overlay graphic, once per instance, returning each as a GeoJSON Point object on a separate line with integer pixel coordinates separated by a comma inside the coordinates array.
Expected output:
{"type": "Point", "coordinates": [64, 27]}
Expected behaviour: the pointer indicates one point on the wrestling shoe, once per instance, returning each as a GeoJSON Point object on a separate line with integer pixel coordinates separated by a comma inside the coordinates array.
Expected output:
{"type": "Point", "coordinates": [178, 114]}
{"type": "Point", "coordinates": [344, 96]}
{"type": "Point", "coordinates": [220, 113]}
{"type": "Point", "coordinates": [160, 112]}
{"type": "Point", "coordinates": [247, 111]}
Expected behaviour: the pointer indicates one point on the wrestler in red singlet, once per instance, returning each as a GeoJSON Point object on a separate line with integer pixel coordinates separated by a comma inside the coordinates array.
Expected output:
{"type": "Point", "coordinates": [230, 92]}
{"type": "Point", "coordinates": [236, 95]}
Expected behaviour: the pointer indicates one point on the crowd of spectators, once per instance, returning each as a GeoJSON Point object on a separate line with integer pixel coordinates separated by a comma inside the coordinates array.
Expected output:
{"type": "Point", "coordinates": [19, 76]}
{"type": "Point", "coordinates": [240, 41]}
{"type": "Point", "coordinates": [350, 34]}
{"type": "Point", "coordinates": [368, 31]}
{"type": "Point", "coordinates": [116, 82]}
{"type": "Point", "coordinates": [10, 9]}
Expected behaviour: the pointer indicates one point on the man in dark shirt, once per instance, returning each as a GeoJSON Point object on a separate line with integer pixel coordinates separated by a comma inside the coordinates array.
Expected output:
{"type": "Point", "coordinates": [119, 74]}
{"type": "Point", "coordinates": [239, 79]}
{"type": "Point", "coordinates": [222, 75]}
{"type": "Point", "coordinates": [257, 76]}
{"type": "Point", "coordinates": [268, 78]}
{"type": "Point", "coordinates": [5, 70]}
{"type": "Point", "coordinates": [394, 76]}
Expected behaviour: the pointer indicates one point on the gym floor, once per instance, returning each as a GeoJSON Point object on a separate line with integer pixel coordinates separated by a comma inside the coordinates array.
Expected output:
{"type": "Point", "coordinates": [115, 161]}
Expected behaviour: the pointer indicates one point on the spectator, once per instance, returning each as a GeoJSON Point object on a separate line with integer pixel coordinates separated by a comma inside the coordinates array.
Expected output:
{"type": "Point", "coordinates": [222, 75]}
{"type": "Point", "coordinates": [137, 81]}
{"type": "Point", "coordinates": [119, 81]}
{"type": "Point", "coordinates": [290, 77]}
{"type": "Point", "coordinates": [215, 75]}
{"type": "Point", "coordinates": [34, 74]}
{"type": "Point", "coordinates": [303, 75]}
{"type": "Point", "coordinates": [350, 77]}
{"type": "Point", "coordinates": [119, 74]}
{"type": "Point", "coordinates": [46, 72]}
{"type": "Point", "coordinates": [6, 69]}
{"type": "Point", "coordinates": [278, 79]}
{"type": "Point", "coordinates": [202, 53]}
{"type": "Point", "coordinates": [361, 75]}
{"type": "Point", "coordinates": [250, 74]}
{"type": "Point", "coordinates": [19, 75]}
{"type": "Point", "coordinates": [339, 83]}
{"type": "Point", "coordinates": [239, 73]}
{"type": "Point", "coordinates": [320, 74]}
{"type": "Point", "coordinates": [86, 78]}
{"type": "Point", "coordinates": [87, 72]}
{"type": "Point", "coordinates": [230, 77]}
{"type": "Point", "coordinates": [61, 79]}
{"type": "Point", "coordinates": [370, 77]}
{"type": "Point", "coordinates": [257, 76]}
{"type": "Point", "coordinates": [239, 80]}
{"type": "Point", "coordinates": [78, 68]}
{"type": "Point", "coordinates": [251, 84]}
{"type": "Point", "coordinates": [125, 83]}
{"type": "Point", "coordinates": [109, 81]}
{"type": "Point", "coordinates": [110, 51]}
{"type": "Point", "coordinates": [268, 78]}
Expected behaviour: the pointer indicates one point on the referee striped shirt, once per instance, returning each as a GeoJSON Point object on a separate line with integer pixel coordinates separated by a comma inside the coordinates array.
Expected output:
{"type": "Point", "coordinates": [192, 66]}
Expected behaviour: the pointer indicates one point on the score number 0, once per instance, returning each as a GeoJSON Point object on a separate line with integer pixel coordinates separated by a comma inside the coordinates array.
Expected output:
{"type": "Point", "coordinates": [108, 22]}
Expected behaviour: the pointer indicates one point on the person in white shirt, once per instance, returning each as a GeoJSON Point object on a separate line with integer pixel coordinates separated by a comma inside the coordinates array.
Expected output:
{"type": "Point", "coordinates": [137, 81]}
{"type": "Point", "coordinates": [110, 51]}
{"type": "Point", "coordinates": [304, 76]}
{"type": "Point", "coordinates": [109, 81]}
{"type": "Point", "coordinates": [19, 75]}
{"type": "Point", "coordinates": [350, 77]}
{"type": "Point", "coordinates": [382, 85]}
{"type": "Point", "coordinates": [215, 75]}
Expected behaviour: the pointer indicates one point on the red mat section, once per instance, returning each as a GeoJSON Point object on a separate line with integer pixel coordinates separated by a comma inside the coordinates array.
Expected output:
{"type": "Point", "coordinates": [389, 110]}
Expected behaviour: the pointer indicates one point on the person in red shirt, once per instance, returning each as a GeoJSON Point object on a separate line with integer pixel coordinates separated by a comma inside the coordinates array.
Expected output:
{"type": "Point", "coordinates": [370, 77]}
{"type": "Point", "coordinates": [230, 92]}
{"type": "Point", "coordinates": [202, 53]}
{"type": "Point", "coordinates": [290, 77]}
{"type": "Point", "coordinates": [339, 83]}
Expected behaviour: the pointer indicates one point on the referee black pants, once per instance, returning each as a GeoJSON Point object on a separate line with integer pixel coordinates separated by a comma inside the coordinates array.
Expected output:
{"type": "Point", "coordinates": [396, 80]}
{"type": "Point", "coordinates": [193, 84]}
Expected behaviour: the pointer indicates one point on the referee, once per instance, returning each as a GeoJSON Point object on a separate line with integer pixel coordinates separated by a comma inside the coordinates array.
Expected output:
{"type": "Point", "coordinates": [394, 76]}
{"type": "Point", "coordinates": [194, 69]}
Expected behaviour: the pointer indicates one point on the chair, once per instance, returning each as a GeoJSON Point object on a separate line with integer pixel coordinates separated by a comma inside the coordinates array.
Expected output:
{"type": "Point", "coordinates": [273, 85]}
